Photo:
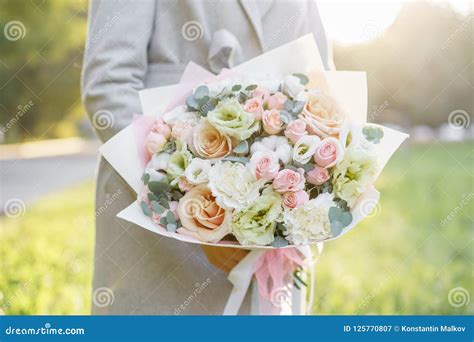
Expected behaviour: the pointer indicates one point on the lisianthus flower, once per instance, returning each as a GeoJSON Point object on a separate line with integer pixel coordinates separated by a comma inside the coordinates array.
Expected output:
{"type": "Point", "coordinates": [232, 120]}
{"type": "Point", "coordinates": [305, 148]}
{"type": "Point", "coordinates": [255, 225]}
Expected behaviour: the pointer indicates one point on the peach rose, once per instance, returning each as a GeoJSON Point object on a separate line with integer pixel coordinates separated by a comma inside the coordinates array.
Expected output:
{"type": "Point", "coordinates": [155, 142]}
{"type": "Point", "coordinates": [322, 115]}
{"type": "Point", "coordinates": [209, 143]}
{"type": "Point", "coordinates": [254, 106]}
{"type": "Point", "coordinates": [272, 122]}
{"type": "Point", "coordinates": [295, 130]}
{"type": "Point", "coordinates": [201, 217]}
{"type": "Point", "coordinates": [289, 180]}
{"type": "Point", "coordinates": [329, 152]}
{"type": "Point", "coordinates": [161, 128]}
{"type": "Point", "coordinates": [276, 101]}
{"type": "Point", "coordinates": [317, 176]}
{"type": "Point", "coordinates": [294, 199]}
{"type": "Point", "coordinates": [264, 165]}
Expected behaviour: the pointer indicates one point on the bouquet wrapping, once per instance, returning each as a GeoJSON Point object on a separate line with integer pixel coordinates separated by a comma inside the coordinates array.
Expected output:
{"type": "Point", "coordinates": [274, 156]}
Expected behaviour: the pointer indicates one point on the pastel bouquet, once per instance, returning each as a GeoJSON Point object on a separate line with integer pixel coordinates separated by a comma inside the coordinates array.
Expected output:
{"type": "Point", "coordinates": [273, 156]}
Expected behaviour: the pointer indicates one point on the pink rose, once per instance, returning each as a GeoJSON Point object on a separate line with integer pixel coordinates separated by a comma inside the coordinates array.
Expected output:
{"type": "Point", "coordinates": [183, 130]}
{"type": "Point", "coordinates": [161, 128]}
{"type": "Point", "coordinates": [317, 176]}
{"type": "Point", "coordinates": [329, 152]}
{"type": "Point", "coordinates": [155, 142]}
{"type": "Point", "coordinates": [276, 101]}
{"type": "Point", "coordinates": [155, 217]}
{"type": "Point", "coordinates": [272, 122]}
{"type": "Point", "coordinates": [261, 93]}
{"type": "Point", "coordinates": [254, 106]}
{"type": "Point", "coordinates": [294, 199]}
{"type": "Point", "coordinates": [289, 180]}
{"type": "Point", "coordinates": [264, 165]}
{"type": "Point", "coordinates": [295, 130]}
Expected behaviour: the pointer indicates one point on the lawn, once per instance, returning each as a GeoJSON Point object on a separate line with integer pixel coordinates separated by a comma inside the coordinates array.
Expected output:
{"type": "Point", "coordinates": [406, 259]}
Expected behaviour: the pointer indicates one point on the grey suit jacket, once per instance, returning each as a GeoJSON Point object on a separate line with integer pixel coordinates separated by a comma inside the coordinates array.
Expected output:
{"type": "Point", "coordinates": [133, 45]}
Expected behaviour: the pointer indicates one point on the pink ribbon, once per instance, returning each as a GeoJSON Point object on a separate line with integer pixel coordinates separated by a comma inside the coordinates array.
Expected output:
{"type": "Point", "coordinates": [273, 271]}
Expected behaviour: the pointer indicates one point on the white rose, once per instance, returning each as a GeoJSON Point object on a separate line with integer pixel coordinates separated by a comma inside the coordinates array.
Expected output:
{"type": "Point", "coordinates": [233, 185]}
{"type": "Point", "coordinates": [277, 144]}
{"type": "Point", "coordinates": [305, 148]}
{"type": "Point", "coordinates": [160, 161]}
{"type": "Point", "coordinates": [179, 113]}
{"type": "Point", "coordinates": [197, 171]}
{"type": "Point", "coordinates": [292, 86]}
{"type": "Point", "coordinates": [309, 223]}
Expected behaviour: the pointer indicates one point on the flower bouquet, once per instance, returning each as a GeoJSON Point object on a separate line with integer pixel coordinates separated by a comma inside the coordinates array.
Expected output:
{"type": "Point", "coordinates": [268, 156]}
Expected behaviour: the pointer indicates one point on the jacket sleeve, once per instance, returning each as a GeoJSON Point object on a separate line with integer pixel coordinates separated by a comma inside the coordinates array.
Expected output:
{"type": "Point", "coordinates": [115, 62]}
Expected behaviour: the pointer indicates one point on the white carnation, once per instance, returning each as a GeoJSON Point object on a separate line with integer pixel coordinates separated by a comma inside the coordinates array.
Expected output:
{"type": "Point", "coordinates": [309, 223]}
{"type": "Point", "coordinates": [233, 185]}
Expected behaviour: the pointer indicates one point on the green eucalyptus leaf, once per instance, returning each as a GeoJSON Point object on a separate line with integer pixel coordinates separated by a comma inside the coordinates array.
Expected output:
{"type": "Point", "coordinates": [170, 217]}
{"type": "Point", "coordinates": [280, 242]}
{"type": "Point", "coordinates": [201, 92]}
{"type": "Point", "coordinates": [373, 134]}
{"type": "Point", "coordinates": [171, 227]}
{"type": "Point", "coordinates": [158, 187]}
{"type": "Point", "coordinates": [298, 107]}
{"type": "Point", "coordinates": [192, 102]}
{"type": "Point", "coordinates": [236, 87]}
{"type": "Point", "coordinates": [145, 178]}
{"type": "Point", "coordinates": [288, 105]}
{"type": "Point", "coordinates": [339, 219]}
{"type": "Point", "coordinates": [164, 202]}
{"type": "Point", "coordinates": [251, 87]}
{"type": "Point", "coordinates": [163, 221]}
{"type": "Point", "coordinates": [157, 208]}
{"type": "Point", "coordinates": [302, 77]}
{"type": "Point", "coordinates": [242, 147]}
{"type": "Point", "coordinates": [151, 197]}
{"type": "Point", "coordinates": [146, 210]}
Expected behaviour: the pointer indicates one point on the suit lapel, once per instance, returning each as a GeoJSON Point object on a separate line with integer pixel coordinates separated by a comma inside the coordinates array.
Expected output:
{"type": "Point", "coordinates": [252, 11]}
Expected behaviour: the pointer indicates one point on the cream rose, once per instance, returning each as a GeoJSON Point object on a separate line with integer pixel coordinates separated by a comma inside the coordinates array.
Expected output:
{"type": "Point", "coordinates": [272, 122]}
{"type": "Point", "coordinates": [322, 114]}
{"type": "Point", "coordinates": [201, 217]}
{"type": "Point", "coordinates": [209, 143]}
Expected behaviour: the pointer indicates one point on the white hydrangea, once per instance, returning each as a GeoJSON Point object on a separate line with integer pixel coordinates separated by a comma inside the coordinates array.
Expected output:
{"type": "Point", "coordinates": [309, 223]}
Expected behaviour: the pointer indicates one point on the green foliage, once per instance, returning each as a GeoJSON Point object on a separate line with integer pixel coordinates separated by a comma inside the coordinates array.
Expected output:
{"type": "Point", "coordinates": [419, 69]}
{"type": "Point", "coordinates": [40, 73]}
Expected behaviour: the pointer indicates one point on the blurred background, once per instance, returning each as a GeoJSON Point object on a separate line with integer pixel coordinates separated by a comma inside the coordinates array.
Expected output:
{"type": "Point", "coordinates": [413, 255]}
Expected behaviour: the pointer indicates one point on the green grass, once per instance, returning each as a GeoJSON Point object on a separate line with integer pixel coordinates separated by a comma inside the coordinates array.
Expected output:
{"type": "Point", "coordinates": [401, 261]}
